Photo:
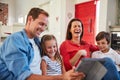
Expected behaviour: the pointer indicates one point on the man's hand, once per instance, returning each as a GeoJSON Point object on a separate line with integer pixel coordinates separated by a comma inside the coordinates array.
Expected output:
{"type": "Point", "coordinates": [72, 75]}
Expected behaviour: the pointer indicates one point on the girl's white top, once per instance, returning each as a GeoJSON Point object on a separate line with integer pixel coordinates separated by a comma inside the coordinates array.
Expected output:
{"type": "Point", "coordinates": [53, 67]}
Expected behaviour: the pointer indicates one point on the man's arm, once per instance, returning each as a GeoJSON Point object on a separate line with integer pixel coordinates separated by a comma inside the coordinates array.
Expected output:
{"type": "Point", "coordinates": [69, 75]}
{"type": "Point", "coordinates": [44, 77]}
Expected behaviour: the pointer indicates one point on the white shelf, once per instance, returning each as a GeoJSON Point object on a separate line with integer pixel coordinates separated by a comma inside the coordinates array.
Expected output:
{"type": "Point", "coordinates": [115, 28]}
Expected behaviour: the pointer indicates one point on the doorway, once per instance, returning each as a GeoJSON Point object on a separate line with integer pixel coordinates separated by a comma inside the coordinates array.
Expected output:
{"type": "Point", "coordinates": [86, 12]}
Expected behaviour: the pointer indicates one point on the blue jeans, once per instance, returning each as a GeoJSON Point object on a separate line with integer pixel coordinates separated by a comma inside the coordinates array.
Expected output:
{"type": "Point", "coordinates": [112, 73]}
{"type": "Point", "coordinates": [119, 73]}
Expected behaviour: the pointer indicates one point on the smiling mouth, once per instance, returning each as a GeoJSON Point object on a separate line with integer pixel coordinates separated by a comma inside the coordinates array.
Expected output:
{"type": "Point", "coordinates": [38, 33]}
{"type": "Point", "coordinates": [77, 32]}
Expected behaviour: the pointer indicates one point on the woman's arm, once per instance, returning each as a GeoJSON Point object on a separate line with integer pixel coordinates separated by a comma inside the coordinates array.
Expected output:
{"type": "Point", "coordinates": [77, 56]}
{"type": "Point", "coordinates": [66, 56]}
{"type": "Point", "coordinates": [66, 50]}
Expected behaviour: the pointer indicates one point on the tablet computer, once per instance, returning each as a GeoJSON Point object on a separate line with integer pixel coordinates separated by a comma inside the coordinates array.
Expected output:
{"type": "Point", "coordinates": [92, 68]}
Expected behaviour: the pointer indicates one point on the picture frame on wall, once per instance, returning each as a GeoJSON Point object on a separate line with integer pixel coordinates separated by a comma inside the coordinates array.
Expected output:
{"type": "Point", "coordinates": [4, 13]}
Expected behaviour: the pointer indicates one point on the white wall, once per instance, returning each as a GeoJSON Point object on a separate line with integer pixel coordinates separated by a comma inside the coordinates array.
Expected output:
{"type": "Point", "coordinates": [68, 12]}
{"type": "Point", "coordinates": [81, 1]}
{"type": "Point", "coordinates": [23, 6]}
{"type": "Point", "coordinates": [107, 14]}
{"type": "Point", "coordinates": [111, 14]}
{"type": "Point", "coordinates": [55, 19]}
{"type": "Point", "coordinates": [59, 11]}
{"type": "Point", "coordinates": [102, 15]}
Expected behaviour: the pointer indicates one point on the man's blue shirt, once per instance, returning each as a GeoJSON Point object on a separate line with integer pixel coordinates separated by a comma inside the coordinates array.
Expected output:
{"type": "Point", "coordinates": [16, 53]}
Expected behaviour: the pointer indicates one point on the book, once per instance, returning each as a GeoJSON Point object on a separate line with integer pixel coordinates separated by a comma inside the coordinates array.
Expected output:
{"type": "Point", "coordinates": [92, 68]}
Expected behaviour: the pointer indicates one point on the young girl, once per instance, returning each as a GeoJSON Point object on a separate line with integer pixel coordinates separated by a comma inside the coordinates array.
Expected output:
{"type": "Point", "coordinates": [103, 41]}
{"type": "Point", "coordinates": [52, 63]}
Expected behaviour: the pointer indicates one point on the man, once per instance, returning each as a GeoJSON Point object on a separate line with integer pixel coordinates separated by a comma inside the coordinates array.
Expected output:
{"type": "Point", "coordinates": [17, 52]}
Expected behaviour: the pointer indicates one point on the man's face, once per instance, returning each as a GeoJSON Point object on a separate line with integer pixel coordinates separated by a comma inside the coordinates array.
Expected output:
{"type": "Point", "coordinates": [38, 25]}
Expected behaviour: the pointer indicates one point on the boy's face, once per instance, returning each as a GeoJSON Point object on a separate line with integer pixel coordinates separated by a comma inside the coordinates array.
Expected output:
{"type": "Point", "coordinates": [103, 45]}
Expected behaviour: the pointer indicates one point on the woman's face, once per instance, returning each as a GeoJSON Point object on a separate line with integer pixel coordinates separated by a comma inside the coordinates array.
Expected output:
{"type": "Point", "coordinates": [76, 29]}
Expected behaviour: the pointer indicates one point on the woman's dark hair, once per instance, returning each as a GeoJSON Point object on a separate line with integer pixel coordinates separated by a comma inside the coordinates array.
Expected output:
{"type": "Point", "coordinates": [102, 35]}
{"type": "Point", "coordinates": [35, 12]}
{"type": "Point", "coordinates": [68, 34]}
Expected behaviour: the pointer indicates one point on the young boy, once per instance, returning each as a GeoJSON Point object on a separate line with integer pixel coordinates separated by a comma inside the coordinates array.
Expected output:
{"type": "Point", "coordinates": [103, 41]}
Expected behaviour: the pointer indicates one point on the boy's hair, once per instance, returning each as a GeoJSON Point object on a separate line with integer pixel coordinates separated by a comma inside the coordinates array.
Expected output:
{"type": "Point", "coordinates": [102, 35]}
{"type": "Point", "coordinates": [48, 37]}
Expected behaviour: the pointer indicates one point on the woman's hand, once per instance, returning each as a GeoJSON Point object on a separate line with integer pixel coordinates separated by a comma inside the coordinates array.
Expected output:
{"type": "Point", "coordinates": [77, 56]}
{"type": "Point", "coordinates": [82, 52]}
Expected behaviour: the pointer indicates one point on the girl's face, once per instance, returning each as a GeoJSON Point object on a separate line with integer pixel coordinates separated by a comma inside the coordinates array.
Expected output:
{"type": "Point", "coordinates": [76, 29]}
{"type": "Point", "coordinates": [51, 47]}
{"type": "Point", "coordinates": [103, 45]}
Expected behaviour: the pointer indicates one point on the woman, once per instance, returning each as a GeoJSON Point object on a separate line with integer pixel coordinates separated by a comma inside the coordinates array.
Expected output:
{"type": "Point", "coordinates": [74, 48]}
